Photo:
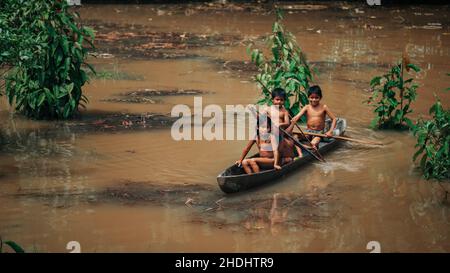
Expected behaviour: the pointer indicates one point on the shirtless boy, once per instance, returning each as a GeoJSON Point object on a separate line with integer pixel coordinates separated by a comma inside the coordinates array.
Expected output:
{"type": "Point", "coordinates": [316, 113]}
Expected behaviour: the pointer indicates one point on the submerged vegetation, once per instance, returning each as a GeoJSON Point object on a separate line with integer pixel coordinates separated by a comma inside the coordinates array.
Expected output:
{"type": "Point", "coordinates": [287, 68]}
{"type": "Point", "coordinates": [44, 48]}
{"type": "Point", "coordinates": [392, 97]}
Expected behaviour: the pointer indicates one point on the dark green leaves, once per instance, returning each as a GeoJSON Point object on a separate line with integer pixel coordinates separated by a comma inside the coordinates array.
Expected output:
{"type": "Point", "coordinates": [375, 81]}
{"type": "Point", "coordinates": [14, 246]}
{"type": "Point", "coordinates": [287, 68]}
{"type": "Point", "coordinates": [47, 49]}
{"type": "Point", "coordinates": [414, 67]}
{"type": "Point", "coordinates": [391, 98]}
{"type": "Point", "coordinates": [433, 140]}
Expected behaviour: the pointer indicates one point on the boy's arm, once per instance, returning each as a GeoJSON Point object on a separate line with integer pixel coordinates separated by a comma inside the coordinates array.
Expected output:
{"type": "Point", "coordinates": [299, 115]}
{"type": "Point", "coordinates": [245, 151]}
{"type": "Point", "coordinates": [333, 121]}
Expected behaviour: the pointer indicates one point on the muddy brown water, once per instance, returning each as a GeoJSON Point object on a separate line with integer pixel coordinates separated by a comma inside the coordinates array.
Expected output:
{"type": "Point", "coordinates": [127, 190]}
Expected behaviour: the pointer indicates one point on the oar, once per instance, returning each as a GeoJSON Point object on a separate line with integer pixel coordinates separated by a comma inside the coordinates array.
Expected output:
{"type": "Point", "coordinates": [296, 142]}
{"type": "Point", "coordinates": [303, 134]}
{"type": "Point", "coordinates": [318, 156]}
{"type": "Point", "coordinates": [346, 139]}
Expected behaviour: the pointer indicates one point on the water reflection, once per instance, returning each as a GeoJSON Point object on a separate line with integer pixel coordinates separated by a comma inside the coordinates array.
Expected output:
{"type": "Point", "coordinates": [362, 194]}
{"type": "Point", "coordinates": [42, 158]}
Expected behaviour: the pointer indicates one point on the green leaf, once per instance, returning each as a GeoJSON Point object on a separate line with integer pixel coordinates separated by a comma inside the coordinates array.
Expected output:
{"type": "Point", "coordinates": [14, 246]}
{"type": "Point", "coordinates": [72, 105]}
{"type": "Point", "coordinates": [398, 116]}
{"type": "Point", "coordinates": [409, 123]}
{"type": "Point", "coordinates": [41, 99]}
{"type": "Point", "coordinates": [69, 88]}
{"type": "Point", "coordinates": [393, 102]}
{"type": "Point", "coordinates": [423, 161]}
{"type": "Point", "coordinates": [375, 81]}
{"type": "Point", "coordinates": [414, 67]}
{"type": "Point", "coordinates": [89, 31]}
{"type": "Point", "coordinates": [66, 111]}
{"type": "Point", "coordinates": [64, 45]}
{"type": "Point", "coordinates": [419, 152]}
{"type": "Point", "coordinates": [405, 108]}
{"type": "Point", "coordinates": [374, 122]}
{"type": "Point", "coordinates": [61, 93]}
{"type": "Point", "coordinates": [295, 109]}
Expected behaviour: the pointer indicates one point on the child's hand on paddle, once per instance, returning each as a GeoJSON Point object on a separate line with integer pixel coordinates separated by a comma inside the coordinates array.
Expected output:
{"type": "Point", "coordinates": [239, 163]}
{"type": "Point", "coordinates": [277, 167]}
{"type": "Point", "coordinates": [329, 133]}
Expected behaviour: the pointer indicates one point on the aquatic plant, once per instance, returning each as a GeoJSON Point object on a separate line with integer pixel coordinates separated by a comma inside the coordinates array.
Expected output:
{"type": "Point", "coordinates": [286, 68]}
{"type": "Point", "coordinates": [433, 143]}
{"type": "Point", "coordinates": [392, 96]}
{"type": "Point", "coordinates": [44, 48]}
{"type": "Point", "coordinates": [14, 246]}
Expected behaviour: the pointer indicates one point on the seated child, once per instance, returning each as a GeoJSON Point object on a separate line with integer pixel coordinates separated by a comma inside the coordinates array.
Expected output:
{"type": "Point", "coordinates": [316, 113]}
{"type": "Point", "coordinates": [268, 142]}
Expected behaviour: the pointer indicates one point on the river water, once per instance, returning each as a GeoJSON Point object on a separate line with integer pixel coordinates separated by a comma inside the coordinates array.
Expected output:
{"type": "Point", "coordinates": [127, 190]}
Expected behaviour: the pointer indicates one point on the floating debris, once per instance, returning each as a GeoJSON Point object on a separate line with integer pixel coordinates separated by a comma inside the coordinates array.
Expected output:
{"type": "Point", "coordinates": [302, 7]}
{"type": "Point", "coordinates": [113, 122]}
{"type": "Point", "coordinates": [369, 26]}
{"type": "Point", "coordinates": [430, 26]}
{"type": "Point", "coordinates": [147, 96]}
{"type": "Point", "coordinates": [147, 92]}
{"type": "Point", "coordinates": [134, 100]}
{"type": "Point", "coordinates": [116, 40]}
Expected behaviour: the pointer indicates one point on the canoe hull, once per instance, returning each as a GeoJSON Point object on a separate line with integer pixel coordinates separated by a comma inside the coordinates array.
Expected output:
{"type": "Point", "coordinates": [233, 179]}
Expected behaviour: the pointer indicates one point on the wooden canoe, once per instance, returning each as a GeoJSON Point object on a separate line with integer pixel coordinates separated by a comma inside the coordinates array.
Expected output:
{"type": "Point", "coordinates": [234, 179]}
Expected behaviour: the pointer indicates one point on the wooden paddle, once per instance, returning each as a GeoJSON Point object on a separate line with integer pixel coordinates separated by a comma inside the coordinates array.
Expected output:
{"type": "Point", "coordinates": [296, 142]}
{"type": "Point", "coordinates": [346, 139]}
{"type": "Point", "coordinates": [303, 134]}
{"type": "Point", "coordinates": [300, 145]}
{"type": "Point", "coordinates": [318, 156]}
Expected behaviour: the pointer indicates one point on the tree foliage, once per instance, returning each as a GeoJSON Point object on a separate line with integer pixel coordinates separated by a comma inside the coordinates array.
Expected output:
{"type": "Point", "coordinates": [286, 68]}
{"type": "Point", "coordinates": [392, 96]}
{"type": "Point", "coordinates": [44, 48]}
{"type": "Point", "coordinates": [433, 143]}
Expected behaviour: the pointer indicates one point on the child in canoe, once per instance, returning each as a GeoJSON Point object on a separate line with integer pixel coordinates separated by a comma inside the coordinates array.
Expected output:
{"type": "Point", "coordinates": [269, 143]}
{"type": "Point", "coordinates": [316, 113]}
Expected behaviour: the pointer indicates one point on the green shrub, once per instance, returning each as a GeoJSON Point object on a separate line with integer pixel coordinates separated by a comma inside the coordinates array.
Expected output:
{"type": "Point", "coordinates": [45, 48]}
{"type": "Point", "coordinates": [433, 142]}
{"type": "Point", "coordinates": [392, 97]}
{"type": "Point", "coordinates": [287, 68]}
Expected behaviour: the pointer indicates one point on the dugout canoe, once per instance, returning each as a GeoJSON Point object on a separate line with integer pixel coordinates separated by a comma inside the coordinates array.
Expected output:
{"type": "Point", "coordinates": [234, 179]}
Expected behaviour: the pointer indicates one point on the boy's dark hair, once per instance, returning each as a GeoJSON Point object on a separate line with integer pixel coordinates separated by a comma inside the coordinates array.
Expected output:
{"type": "Point", "coordinates": [279, 92]}
{"type": "Point", "coordinates": [315, 89]}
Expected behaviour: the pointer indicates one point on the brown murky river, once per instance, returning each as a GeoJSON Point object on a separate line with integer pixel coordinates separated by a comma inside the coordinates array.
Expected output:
{"type": "Point", "coordinates": [119, 188]}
